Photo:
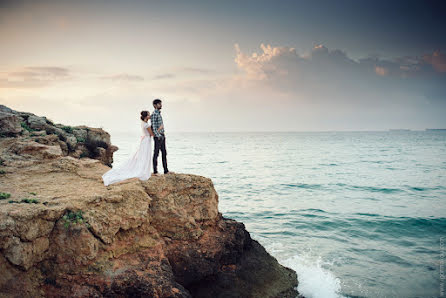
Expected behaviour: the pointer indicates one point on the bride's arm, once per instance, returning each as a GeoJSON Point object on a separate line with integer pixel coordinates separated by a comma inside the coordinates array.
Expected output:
{"type": "Point", "coordinates": [150, 131]}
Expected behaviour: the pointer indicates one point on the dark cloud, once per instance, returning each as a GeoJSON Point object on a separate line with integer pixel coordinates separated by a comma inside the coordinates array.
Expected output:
{"type": "Point", "coordinates": [332, 72]}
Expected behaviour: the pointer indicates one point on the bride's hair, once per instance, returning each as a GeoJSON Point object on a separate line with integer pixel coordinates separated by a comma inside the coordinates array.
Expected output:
{"type": "Point", "coordinates": [144, 114]}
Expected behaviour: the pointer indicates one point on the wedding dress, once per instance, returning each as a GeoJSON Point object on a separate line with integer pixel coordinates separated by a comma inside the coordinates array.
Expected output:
{"type": "Point", "coordinates": [138, 165]}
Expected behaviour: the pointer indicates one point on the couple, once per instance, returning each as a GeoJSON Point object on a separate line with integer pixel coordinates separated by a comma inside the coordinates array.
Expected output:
{"type": "Point", "coordinates": [138, 166]}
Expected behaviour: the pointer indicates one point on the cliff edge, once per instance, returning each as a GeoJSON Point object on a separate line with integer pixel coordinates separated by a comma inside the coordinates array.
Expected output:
{"type": "Point", "coordinates": [63, 233]}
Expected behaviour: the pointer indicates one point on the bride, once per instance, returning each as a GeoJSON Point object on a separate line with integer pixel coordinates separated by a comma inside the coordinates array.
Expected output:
{"type": "Point", "coordinates": [139, 164]}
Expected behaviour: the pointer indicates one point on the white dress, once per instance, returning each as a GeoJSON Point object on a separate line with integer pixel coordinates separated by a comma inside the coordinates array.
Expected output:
{"type": "Point", "coordinates": [138, 165]}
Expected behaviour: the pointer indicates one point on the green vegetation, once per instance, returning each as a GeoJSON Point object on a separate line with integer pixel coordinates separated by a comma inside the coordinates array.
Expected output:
{"type": "Point", "coordinates": [74, 218]}
{"type": "Point", "coordinates": [68, 129]}
{"type": "Point", "coordinates": [84, 154]}
{"type": "Point", "coordinates": [4, 195]}
{"type": "Point", "coordinates": [11, 201]}
{"type": "Point", "coordinates": [33, 193]}
{"type": "Point", "coordinates": [2, 172]}
{"type": "Point", "coordinates": [80, 140]}
{"type": "Point", "coordinates": [29, 201]}
{"type": "Point", "coordinates": [26, 127]}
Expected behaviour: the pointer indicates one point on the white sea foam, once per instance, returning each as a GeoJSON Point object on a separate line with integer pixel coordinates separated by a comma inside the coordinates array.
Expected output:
{"type": "Point", "coordinates": [314, 281]}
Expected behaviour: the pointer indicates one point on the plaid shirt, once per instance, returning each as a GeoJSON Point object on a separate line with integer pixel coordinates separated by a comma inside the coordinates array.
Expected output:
{"type": "Point", "coordinates": [157, 121]}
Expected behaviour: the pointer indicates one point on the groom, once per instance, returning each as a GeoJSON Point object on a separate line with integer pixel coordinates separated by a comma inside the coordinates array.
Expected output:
{"type": "Point", "coordinates": [159, 137]}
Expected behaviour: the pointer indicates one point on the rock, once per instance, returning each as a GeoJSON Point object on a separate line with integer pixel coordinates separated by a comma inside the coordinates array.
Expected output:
{"type": "Point", "coordinates": [71, 142]}
{"type": "Point", "coordinates": [35, 149]}
{"type": "Point", "coordinates": [5, 109]}
{"type": "Point", "coordinates": [9, 124]}
{"type": "Point", "coordinates": [80, 134]}
{"type": "Point", "coordinates": [47, 140]}
{"type": "Point", "coordinates": [163, 237]}
{"type": "Point", "coordinates": [79, 141]}
{"type": "Point", "coordinates": [37, 123]}
{"type": "Point", "coordinates": [38, 133]}
{"type": "Point", "coordinates": [182, 216]}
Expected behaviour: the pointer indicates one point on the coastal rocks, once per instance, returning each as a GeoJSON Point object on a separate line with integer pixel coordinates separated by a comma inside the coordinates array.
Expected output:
{"type": "Point", "coordinates": [26, 129]}
{"type": "Point", "coordinates": [182, 205]}
{"type": "Point", "coordinates": [9, 124]}
{"type": "Point", "coordinates": [37, 123]}
{"type": "Point", "coordinates": [35, 149]}
{"type": "Point", "coordinates": [63, 233]}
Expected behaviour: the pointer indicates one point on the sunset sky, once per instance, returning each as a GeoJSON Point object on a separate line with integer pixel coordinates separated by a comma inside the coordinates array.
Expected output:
{"type": "Point", "coordinates": [227, 65]}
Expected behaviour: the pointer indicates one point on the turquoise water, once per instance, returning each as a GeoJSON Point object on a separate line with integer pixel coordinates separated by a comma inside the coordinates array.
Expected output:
{"type": "Point", "coordinates": [356, 214]}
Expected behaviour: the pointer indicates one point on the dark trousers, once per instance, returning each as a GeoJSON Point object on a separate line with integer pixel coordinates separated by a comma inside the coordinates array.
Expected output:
{"type": "Point", "coordinates": [160, 144]}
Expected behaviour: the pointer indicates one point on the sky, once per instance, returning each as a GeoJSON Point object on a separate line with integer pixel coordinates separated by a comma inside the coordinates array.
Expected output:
{"type": "Point", "coordinates": [227, 65]}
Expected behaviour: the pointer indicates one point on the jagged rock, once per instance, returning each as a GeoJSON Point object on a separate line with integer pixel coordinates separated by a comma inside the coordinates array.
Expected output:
{"type": "Point", "coordinates": [78, 141]}
{"type": "Point", "coordinates": [9, 124]}
{"type": "Point", "coordinates": [35, 122]}
{"type": "Point", "coordinates": [5, 109]}
{"type": "Point", "coordinates": [35, 149]}
{"type": "Point", "coordinates": [38, 133]}
{"type": "Point", "coordinates": [80, 134]}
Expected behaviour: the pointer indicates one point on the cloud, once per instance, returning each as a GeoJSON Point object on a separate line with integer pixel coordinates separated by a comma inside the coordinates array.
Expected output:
{"type": "Point", "coordinates": [34, 77]}
{"type": "Point", "coordinates": [181, 71]}
{"type": "Point", "coordinates": [123, 78]}
{"type": "Point", "coordinates": [437, 59]}
{"type": "Point", "coordinates": [261, 66]}
{"type": "Point", "coordinates": [381, 71]}
{"type": "Point", "coordinates": [331, 72]}
{"type": "Point", "coordinates": [196, 70]}
{"type": "Point", "coordinates": [163, 76]}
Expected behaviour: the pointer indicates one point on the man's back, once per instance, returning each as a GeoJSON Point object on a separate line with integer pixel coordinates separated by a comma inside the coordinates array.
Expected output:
{"type": "Point", "coordinates": [157, 121]}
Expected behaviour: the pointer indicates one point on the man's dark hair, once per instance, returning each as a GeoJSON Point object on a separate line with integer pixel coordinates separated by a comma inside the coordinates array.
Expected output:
{"type": "Point", "coordinates": [156, 101]}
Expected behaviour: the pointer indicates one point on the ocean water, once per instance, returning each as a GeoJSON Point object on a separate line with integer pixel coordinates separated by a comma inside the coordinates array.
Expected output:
{"type": "Point", "coordinates": [355, 214]}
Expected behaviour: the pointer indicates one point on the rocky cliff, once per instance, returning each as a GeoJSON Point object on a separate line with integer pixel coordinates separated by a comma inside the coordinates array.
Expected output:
{"type": "Point", "coordinates": [63, 233]}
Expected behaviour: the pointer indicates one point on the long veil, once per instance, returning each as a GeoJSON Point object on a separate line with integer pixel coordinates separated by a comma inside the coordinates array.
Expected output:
{"type": "Point", "coordinates": [138, 165]}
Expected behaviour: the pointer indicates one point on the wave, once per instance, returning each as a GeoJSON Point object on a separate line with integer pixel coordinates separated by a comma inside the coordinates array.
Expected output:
{"type": "Point", "coordinates": [365, 224]}
{"type": "Point", "coordinates": [374, 189]}
{"type": "Point", "coordinates": [314, 280]}
{"type": "Point", "coordinates": [303, 185]}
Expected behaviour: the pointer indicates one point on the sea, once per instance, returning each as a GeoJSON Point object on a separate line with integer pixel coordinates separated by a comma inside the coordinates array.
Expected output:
{"type": "Point", "coordinates": [354, 213]}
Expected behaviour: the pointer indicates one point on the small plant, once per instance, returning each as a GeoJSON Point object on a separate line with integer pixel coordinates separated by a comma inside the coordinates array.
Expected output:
{"type": "Point", "coordinates": [11, 201]}
{"type": "Point", "coordinates": [84, 154]}
{"type": "Point", "coordinates": [26, 127]}
{"type": "Point", "coordinates": [33, 193]}
{"type": "Point", "coordinates": [2, 172]}
{"type": "Point", "coordinates": [74, 218]}
{"type": "Point", "coordinates": [68, 129]}
{"type": "Point", "coordinates": [29, 201]}
{"type": "Point", "coordinates": [80, 140]}
{"type": "Point", "coordinates": [4, 195]}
